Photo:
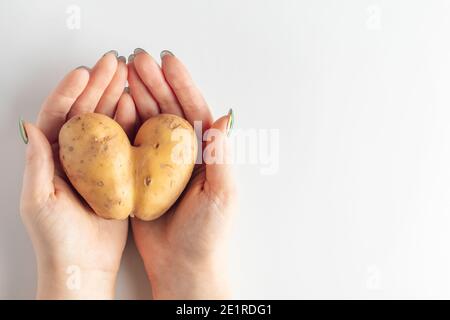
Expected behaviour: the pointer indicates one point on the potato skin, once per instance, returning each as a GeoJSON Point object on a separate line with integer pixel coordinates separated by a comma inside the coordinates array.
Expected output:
{"type": "Point", "coordinates": [96, 156]}
{"type": "Point", "coordinates": [164, 162]}
{"type": "Point", "coordinates": [117, 179]}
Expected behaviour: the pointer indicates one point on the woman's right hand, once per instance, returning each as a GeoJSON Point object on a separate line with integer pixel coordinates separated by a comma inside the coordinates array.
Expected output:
{"type": "Point", "coordinates": [78, 253]}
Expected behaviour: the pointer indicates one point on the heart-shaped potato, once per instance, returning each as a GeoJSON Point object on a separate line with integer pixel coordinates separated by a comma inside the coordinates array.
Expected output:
{"type": "Point", "coordinates": [118, 179]}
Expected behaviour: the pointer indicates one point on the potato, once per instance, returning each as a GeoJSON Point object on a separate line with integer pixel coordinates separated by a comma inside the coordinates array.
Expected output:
{"type": "Point", "coordinates": [117, 179]}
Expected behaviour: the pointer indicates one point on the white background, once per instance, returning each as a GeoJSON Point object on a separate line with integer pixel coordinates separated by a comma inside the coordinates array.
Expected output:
{"type": "Point", "coordinates": [359, 91]}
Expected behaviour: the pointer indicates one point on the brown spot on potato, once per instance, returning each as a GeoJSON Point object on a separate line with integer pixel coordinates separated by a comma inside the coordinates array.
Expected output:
{"type": "Point", "coordinates": [165, 165]}
{"type": "Point", "coordinates": [156, 145]}
{"type": "Point", "coordinates": [70, 148]}
{"type": "Point", "coordinates": [100, 183]}
{"type": "Point", "coordinates": [147, 181]}
{"type": "Point", "coordinates": [173, 126]}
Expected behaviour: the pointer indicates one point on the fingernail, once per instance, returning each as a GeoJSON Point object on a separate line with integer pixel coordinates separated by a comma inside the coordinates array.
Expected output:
{"type": "Point", "coordinates": [166, 53]}
{"type": "Point", "coordinates": [23, 132]}
{"type": "Point", "coordinates": [139, 50]}
{"type": "Point", "coordinates": [122, 58]}
{"type": "Point", "coordinates": [131, 58]}
{"type": "Point", "coordinates": [83, 67]}
{"type": "Point", "coordinates": [230, 121]}
{"type": "Point", "coordinates": [112, 51]}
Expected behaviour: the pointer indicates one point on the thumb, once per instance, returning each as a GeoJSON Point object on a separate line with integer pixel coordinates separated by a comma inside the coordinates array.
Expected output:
{"type": "Point", "coordinates": [217, 155]}
{"type": "Point", "coordinates": [39, 165]}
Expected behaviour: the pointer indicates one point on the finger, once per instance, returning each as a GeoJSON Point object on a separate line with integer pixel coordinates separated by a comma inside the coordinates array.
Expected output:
{"type": "Point", "coordinates": [39, 167]}
{"type": "Point", "coordinates": [146, 105]}
{"type": "Point", "coordinates": [126, 114]}
{"type": "Point", "coordinates": [191, 100]}
{"type": "Point", "coordinates": [55, 108]}
{"type": "Point", "coordinates": [217, 156]}
{"type": "Point", "coordinates": [153, 78]}
{"type": "Point", "coordinates": [101, 76]}
{"type": "Point", "coordinates": [108, 101]}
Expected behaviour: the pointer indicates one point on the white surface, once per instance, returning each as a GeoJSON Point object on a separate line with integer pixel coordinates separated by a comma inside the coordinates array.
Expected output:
{"type": "Point", "coordinates": [359, 91]}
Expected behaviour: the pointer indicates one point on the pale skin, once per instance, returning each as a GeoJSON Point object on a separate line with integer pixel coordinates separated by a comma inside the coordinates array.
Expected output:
{"type": "Point", "coordinates": [184, 252]}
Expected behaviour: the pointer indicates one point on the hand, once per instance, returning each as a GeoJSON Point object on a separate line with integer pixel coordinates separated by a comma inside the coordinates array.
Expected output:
{"type": "Point", "coordinates": [184, 251]}
{"type": "Point", "coordinates": [67, 236]}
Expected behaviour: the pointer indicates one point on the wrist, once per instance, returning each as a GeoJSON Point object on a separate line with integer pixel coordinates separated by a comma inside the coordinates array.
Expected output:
{"type": "Point", "coordinates": [60, 282]}
{"type": "Point", "coordinates": [190, 281]}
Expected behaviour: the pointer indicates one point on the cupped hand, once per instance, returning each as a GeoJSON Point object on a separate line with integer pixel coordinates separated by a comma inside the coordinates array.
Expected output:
{"type": "Point", "coordinates": [184, 251]}
{"type": "Point", "coordinates": [78, 253]}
